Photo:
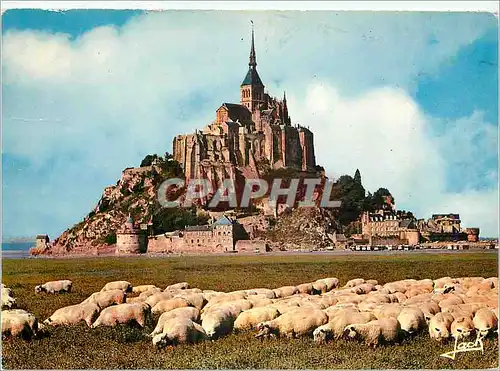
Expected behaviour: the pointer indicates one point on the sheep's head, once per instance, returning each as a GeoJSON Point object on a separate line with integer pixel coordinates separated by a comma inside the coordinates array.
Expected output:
{"type": "Point", "coordinates": [462, 328]}
{"type": "Point", "coordinates": [484, 331]}
{"type": "Point", "coordinates": [264, 330]}
{"type": "Point", "coordinates": [320, 335]}
{"type": "Point", "coordinates": [441, 333]}
{"type": "Point", "coordinates": [160, 340]}
{"type": "Point", "coordinates": [38, 289]}
{"type": "Point", "coordinates": [48, 321]}
{"type": "Point", "coordinates": [350, 332]}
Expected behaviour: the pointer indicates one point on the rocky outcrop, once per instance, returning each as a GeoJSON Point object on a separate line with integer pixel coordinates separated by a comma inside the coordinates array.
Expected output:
{"type": "Point", "coordinates": [134, 194]}
{"type": "Point", "coordinates": [300, 228]}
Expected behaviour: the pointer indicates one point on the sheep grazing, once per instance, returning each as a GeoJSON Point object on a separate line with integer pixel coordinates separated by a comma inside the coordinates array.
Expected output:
{"type": "Point", "coordinates": [411, 319]}
{"type": "Point", "coordinates": [319, 287]}
{"type": "Point", "coordinates": [429, 309]}
{"type": "Point", "coordinates": [106, 298]}
{"type": "Point", "coordinates": [259, 301]}
{"type": "Point", "coordinates": [386, 330]}
{"type": "Point", "coordinates": [219, 322]}
{"type": "Point", "coordinates": [53, 287]}
{"type": "Point", "coordinates": [118, 285]}
{"type": "Point", "coordinates": [305, 288]}
{"type": "Point", "coordinates": [267, 293]}
{"type": "Point", "coordinates": [293, 324]}
{"type": "Point", "coordinates": [354, 282]}
{"type": "Point", "coordinates": [388, 310]}
{"type": "Point", "coordinates": [485, 320]}
{"type": "Point", "coordinates": [169, 304]}
{"type": "Point", "coordinates": [284, 307]}
{"type": "Point", "coordinates": [18, 322]}
{"type": "Point", "coordinates": [331, 283]}
{"type": "Point", "coordinates": [462, 327]}
{"type": "Point", "coordinates": [146, 294]}
{"type": "Point", "coordinates": [8, 300]}
{"type": "Point", "coordinates": [178, 286]}
{"type": "Point", "coordinates": [179, 330]}
{"type": "Point", "coordinates": [123, 313]}
{"type": "Point", "coordinates": [440, 326]}
{"type": "Point", "coordinates": [156, 298]}
{"type": "Point", "coordinates": [338, 320]}
{"type": "Point", "coordinates": [74, 314]}
{"type": "Point", "coordinates": [194, 299]}
{"type": "Point", "coordinates": [143, 288]}
{"type": "Point", "coordinates": [186, 312]}
{"type": "Point", "coordinates": [249, 319]}
{"type": "Point", "coordinates": [285, 291]}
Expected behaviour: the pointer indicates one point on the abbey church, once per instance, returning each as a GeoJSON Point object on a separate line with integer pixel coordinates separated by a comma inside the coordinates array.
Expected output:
{"type": "Point", "coordinates": [255, 131]}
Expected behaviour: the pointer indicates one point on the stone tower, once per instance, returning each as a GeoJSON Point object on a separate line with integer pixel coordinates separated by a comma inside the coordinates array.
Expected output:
{"type": "Point", "coordinates": [252, 88]}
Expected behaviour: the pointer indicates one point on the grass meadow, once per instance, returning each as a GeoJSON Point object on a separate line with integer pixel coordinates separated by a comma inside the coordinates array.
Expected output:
{"type": "Point", "coordinates": [128, 347]}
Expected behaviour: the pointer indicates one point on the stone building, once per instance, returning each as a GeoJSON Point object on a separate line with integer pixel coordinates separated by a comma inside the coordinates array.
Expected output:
{"type": "Point", "coordinates": [446, 227]}
{"type": "Point", "coordinates": [256, 130]}
{"type": "Point", "coordinates": [220, 236]}
{"type": "Point", "coordinates": [390, 228]}
{"type": "Point", "coordinates": [130, 239]}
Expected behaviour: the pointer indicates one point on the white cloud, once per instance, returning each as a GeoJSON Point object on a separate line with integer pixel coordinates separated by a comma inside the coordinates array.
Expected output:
{"type": "Point", "coordinates": [113, 95]}
{"type": "Point", "coordinates": [385, 135]}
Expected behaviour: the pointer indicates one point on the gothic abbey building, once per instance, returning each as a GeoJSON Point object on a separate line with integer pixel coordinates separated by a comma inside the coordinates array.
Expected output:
{"type": "Point", "coordinates": [255, 131]}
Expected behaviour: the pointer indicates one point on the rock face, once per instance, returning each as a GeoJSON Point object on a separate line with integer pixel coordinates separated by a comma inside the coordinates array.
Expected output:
{"type": "Point", "coordinates": [307, 227]}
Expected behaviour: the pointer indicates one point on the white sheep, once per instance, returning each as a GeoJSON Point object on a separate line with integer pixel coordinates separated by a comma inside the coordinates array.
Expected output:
{"type": "Point", "coordinates": [305, 288]}
{"type": "Point", "coordinates": [169, 304]}
{"type": "Point", "coordinates": [180, 285]}
{"type": "Point", "coordinates": [293, 324]}
{"type": "Point", "coordinates": [258, 301]}
{"type": "Point", "coordinates": [249, 319]}
{"type": "Point", "coordinates": [106, 298]}
{"type": "Point", "coordinates": [411, 319]}
{"type": "Point", "coordinates": [284, 307]}
{"type": "Point", "coordinates": [143, 288]}
{"type": "Point", "coordinates": [179, 330]}
{"type": "Point", "coordinates": [440, 326]}
{"type": "Point", "coordinates": [429, 309]}
{"type": "Point", "coordinates": [118, 285]}
{"type": "Point", "coordinates": [219, 322]}
{"type": "Point", "coordinates": [74, 314]}
{"type": "Point", "coordinates": [388, 310]}
{"type": "Point", "coordinates": [146, 294]}
{"type": "Point", "coordinates": [52, 287]}
{"type": "Point", "coordinates": [154, 299]}
{"type": "Point", "coordinates": [285, 291]}
{"type": "Point", "coordinates": [18, 322]}
{"type": "Point", "coordinates": [338, 321]}
{"type": "Point", "coordinates": [485, 320]}
{"type": "Point", "coordinates": [319, 287]}
{"type": "Point", "coordinates": [364, 288]}
{"type": "Point", "coordinates": [462, 327]}
{"type": "Point", "coordinates": [7, 300]}
{"type": "Point", "coordinates": [386, 330]}
{"type": "Point", "coordinates": [331, 282]}
{"type": "Point", "coordinates": [194, 299]}
{"type": "Point", "coordinates": [267, 293]}
{"type": "Point", "coordinates": [235, 306]}
{"type": "Point", "coordinates": [186, 312]}
{"type": "Point", "coordinates": [123, 313]}
{"type": "Point", "coordinates": [354, 282]}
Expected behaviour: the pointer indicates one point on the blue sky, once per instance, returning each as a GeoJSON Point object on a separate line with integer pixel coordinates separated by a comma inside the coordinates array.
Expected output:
{"type": "Point", "coordinates": [408, 98]}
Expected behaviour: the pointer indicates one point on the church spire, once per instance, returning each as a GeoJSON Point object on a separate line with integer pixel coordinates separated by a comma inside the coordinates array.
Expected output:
{"type": "Point", "coordinates": [253, 58]}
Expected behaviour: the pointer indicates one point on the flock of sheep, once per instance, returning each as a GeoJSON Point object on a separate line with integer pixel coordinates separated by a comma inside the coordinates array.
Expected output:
{"type": "Point", "coordinates": [363, 310]}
